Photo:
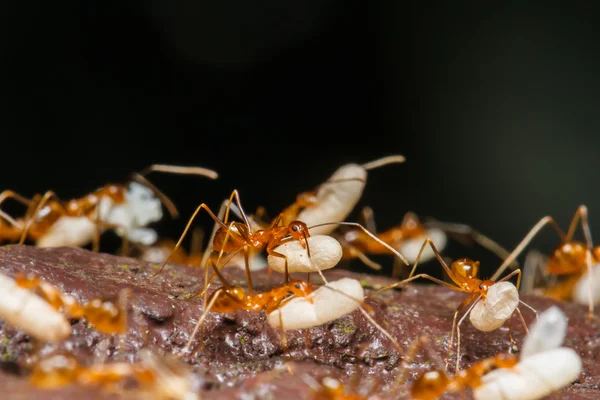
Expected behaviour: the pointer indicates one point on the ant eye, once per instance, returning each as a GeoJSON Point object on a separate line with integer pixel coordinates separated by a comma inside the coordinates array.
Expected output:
{"type": "Point", "coordinates": [294, 228]}
{"type": "Point", "coordinates": [297, 286]}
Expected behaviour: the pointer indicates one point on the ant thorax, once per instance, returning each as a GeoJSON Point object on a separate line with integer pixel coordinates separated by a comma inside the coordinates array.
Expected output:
{"type": "Point", "coordinates": [140, 209]}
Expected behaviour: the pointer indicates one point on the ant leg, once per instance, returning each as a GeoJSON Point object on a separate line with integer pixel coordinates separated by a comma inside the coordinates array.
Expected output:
{"type": "Point", "coordinates": [285, 259]}
{"type": "Point", "coordinates": [521, 246]}
{"type": "Point", "coordinates": [370, 234]}
{"type": "Point", "coordinates": [426, 242]}
{"type": "Point", "coordinates": [362, 306]}
{"type": "Point", "coordinates": [207, 307]}
{"type": "Point", "coordinates": [10, 220]}
{"type": "Point", "coordinates": [460, 231]}
{"type": "Point", "coordinates": [522, 321]}
{"type": "Point", "coordinates": [515, 272]}
{"type": "Point", "coordinates": [455, 327]}
{"type": "Point", "coordinates": [368, 217]}
{"type": "Point", "coordinates": [236, 195]}
{"type": "Point", "coordinates": [410, 356]}
{"type": "Point", "coordinates": [458, 333]}
{"type": "Point", "coordinates": [200, 322]}
{"type": "Point", "coordinates": [216, 227]}
{"type": "Point", "coordinates": [44, 199]}
{"type": "Point", "coordinates": [583, 214]}
{"type": "Point", "coordinates": [354, 252]}
{"type": "Point", "coordinates": [187, 228]}
{"type": "Point", "coordinates": [531, 308]}
{"type": "Point", "coordinates": [381, 329]}
{"type": "Point", "coordinates": [9, 194]}
{"type": "Point", "coordinates": [532, 268]}
{"type": "Point", "coordinates": [164, 199]}
{"type": "Point", "coordinates": [248, 274]}
{"type": "Point", "coordinates": [282, 335]}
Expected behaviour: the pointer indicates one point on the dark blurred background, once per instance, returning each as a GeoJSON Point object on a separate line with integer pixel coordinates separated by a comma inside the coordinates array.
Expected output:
{"type": "Point", "coordinates": [495, 106]}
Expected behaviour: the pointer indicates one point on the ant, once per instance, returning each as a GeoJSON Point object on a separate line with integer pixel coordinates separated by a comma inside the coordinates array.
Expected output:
{"type": "Point", "coordinates": [157, 376]}
{"type": "Point", "coordinates": [433, 384]}
{"type": "Point", "coordinates": [233, 237]}
{"type": "Point", "coordinates": [464, 274]}
{"type": "Point", "coordinates": [230, 298]}
{"type": "Point", "coordinates": [50, 221]}
{"type": "Point", "coordinates": [407, 238]}
{"type": "Point", "coordinates": [106, 316]}
{"type": "Point", "coordinates": [571, 259]}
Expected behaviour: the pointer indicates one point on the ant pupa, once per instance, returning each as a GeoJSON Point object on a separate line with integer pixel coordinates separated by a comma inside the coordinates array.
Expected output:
{"type": "Point", "coordinates": [334, 200]}
{"type": "Point", "coordinates": [105, 316]}
{"type": "Point", "coordinates": [157, 377]}
{"type": "Point", "coordinates": [323, 251]}
{"type": "Point", "coordinates": [544, 367]}
{"type": "Point", "coordinates": [31, 313]}
{"type": "Point", "coordinates": [575, 262]}
{"type": "Point", "coordinates": [328, 303]}
{"type": "Point", "coordinates": [126, 208]}
{"type": "Point", "coordinates": [229, 298]}
{"type": "Point", "coordinates": [490, 303]}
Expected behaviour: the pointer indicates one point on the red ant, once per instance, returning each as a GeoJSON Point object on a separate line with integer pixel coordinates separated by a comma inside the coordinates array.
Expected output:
{"type": "Point", "coordinates": [44, 211]}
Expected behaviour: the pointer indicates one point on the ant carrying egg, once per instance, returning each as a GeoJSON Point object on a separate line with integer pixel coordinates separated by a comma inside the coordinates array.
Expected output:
{"type": "Point", "coordinates": [127, 209]}
{"type": "Point", "coordinates": [491, 302]}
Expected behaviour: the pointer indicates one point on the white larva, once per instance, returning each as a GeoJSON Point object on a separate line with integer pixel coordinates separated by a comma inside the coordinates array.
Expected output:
{"type": "Point", "coordinates": [336, 200]}
{"type": "Point", "coordinates": [325, 253]}
{"type": "Point", "coordinates": [140, 209]}
{"type": "Point", "coordinates": [548, 332]}
{"type": "Point", "coordinates": [26, 310]}
{"type": "Point", "coordinates": [68, 231]}
{"type": "Point", "coordinates": [327, 305]}
{"type": "Point", "coordinates": [544, 366]}
{"type": "Point", "coordinates": [581, 289]}
{"type": "Point", "coordinates": [410, 248]}
{"type": "Point", "coordinates": [533, 377]}
{"type": "Point", "coordinates": [501, 301]}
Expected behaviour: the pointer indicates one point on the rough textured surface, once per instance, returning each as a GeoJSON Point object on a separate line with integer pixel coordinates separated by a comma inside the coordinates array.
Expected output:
{"type": "Point", "coordinates": [242, 356]}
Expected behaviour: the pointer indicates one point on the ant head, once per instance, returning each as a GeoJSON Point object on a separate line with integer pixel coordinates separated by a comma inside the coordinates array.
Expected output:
{"type": "Point", "coordinates": [569, 258]}
{"type": "Point", "coordinates": [431, 384]}
{"type": "Point", "coordinates": [465, 268]}
{"type": "Point", "coordinates": [298, 230]}
{"type": "Point", "coordinates": [300, 288]}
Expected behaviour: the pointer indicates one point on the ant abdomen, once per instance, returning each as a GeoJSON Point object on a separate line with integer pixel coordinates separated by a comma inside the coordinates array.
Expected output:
{"type": "Point", "coordinates": [465, 268]}
{"type": "Point", "coordinates": [569, 258]}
